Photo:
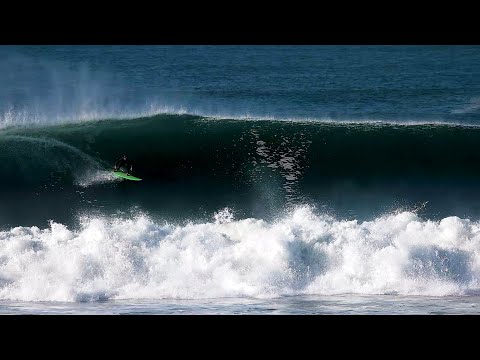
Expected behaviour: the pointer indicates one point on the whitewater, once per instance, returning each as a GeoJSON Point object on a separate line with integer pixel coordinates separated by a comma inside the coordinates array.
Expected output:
{"type": "Point", "coordinates": [303, 253]}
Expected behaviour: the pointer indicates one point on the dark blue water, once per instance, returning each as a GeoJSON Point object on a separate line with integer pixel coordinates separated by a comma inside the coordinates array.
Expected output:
{"type": "Point", "coordinates": [409, 83]}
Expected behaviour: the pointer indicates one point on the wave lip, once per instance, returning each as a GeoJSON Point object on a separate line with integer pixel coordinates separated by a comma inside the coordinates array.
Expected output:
{"type": "Point", "coordinates": [23, 118]}
{"type": "Point", "coordinates": [302, 253]}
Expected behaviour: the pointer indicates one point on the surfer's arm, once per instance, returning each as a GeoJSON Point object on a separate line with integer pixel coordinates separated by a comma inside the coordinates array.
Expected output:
{"type": "Point", "coordinates": [117, 164]}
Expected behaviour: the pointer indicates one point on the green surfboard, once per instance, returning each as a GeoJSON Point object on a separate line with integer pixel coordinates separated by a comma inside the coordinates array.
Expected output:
{"type": "Point", "coordinates": [126, 176]}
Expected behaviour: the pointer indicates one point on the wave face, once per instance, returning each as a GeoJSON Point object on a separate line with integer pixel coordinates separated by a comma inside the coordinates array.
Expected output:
{"type": "Point", "coordinates": [302, 253]}
{"type": "Point", "coordinates": [193, 165]}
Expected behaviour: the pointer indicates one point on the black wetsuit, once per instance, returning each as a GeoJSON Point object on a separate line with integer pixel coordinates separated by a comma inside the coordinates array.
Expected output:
{"type": "Point", "coordinates": [123, 165]}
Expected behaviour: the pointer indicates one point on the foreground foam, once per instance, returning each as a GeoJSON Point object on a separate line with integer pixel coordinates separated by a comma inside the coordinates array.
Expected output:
{"type": "Point", "coordinates": [302, 253]}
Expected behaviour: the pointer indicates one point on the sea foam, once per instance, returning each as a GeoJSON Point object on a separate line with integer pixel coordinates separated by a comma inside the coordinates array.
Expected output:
{"type": "Point", "coordinates": [301, 253]}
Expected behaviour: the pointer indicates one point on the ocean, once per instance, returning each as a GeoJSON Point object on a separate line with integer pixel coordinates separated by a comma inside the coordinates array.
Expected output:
{"type": "Point", "coordinates": [275, 180]}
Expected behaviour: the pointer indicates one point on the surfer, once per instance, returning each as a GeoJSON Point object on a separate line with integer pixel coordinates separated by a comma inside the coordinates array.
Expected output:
{"type": "Point", "coordinates": [124, 165]}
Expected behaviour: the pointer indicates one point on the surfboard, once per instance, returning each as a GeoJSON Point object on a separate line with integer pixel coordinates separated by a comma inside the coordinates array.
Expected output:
{"type": "Point", "coordinates": [126, 176]}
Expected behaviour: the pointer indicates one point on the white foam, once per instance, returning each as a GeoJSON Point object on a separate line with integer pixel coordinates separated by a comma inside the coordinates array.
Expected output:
{"type": "Point", "coordinates": [95, 177]}
{"type": "Point", "coordinates": [302, 253]}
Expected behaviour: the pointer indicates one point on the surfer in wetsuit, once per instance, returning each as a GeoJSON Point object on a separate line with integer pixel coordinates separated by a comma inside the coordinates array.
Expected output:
{"type": "Point", "coordinates": [124, 165]}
